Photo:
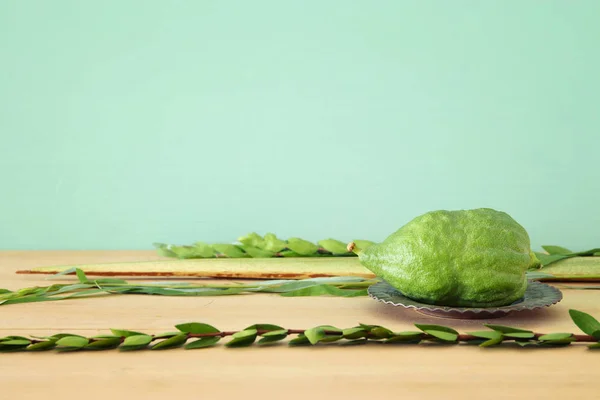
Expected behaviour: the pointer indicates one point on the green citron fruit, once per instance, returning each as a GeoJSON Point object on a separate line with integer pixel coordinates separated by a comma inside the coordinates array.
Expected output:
{"type": "Point", "coordinates": [464, 258]}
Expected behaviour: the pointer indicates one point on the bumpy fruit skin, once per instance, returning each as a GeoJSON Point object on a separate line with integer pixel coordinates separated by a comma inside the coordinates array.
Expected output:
{"type": "Point", "coordinates": [464, 258]}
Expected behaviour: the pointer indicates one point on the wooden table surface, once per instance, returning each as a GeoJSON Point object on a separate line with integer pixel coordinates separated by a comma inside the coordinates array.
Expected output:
{"type": "Point", "coordinates": [407, 372]}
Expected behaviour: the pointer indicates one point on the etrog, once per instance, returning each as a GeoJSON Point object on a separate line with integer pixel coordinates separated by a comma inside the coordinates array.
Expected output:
{"type": "Point", "coordinates": [463, 258]}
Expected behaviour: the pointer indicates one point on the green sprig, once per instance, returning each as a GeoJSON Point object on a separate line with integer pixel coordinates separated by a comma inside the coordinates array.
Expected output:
{"type": "Point", "coordinates": [557, 253]}
{"type": "Point", "coordinates": [196, 335]}
{"type": "Point", "coordinates": [339, 286]}
{"type": "Point", "coordinates": [256, 246]}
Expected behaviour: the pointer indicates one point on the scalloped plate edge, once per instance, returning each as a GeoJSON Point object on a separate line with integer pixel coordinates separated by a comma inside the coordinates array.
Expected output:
{"type": "Point", "coordinates": [444, 310]}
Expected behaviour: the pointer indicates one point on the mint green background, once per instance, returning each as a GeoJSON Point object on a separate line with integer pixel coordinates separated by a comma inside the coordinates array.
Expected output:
{"type": "Point", "coordinates": [123, 123]}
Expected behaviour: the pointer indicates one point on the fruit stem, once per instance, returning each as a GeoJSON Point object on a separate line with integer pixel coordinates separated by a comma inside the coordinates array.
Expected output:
{"type": "Point", "coordinates": [353, 249]}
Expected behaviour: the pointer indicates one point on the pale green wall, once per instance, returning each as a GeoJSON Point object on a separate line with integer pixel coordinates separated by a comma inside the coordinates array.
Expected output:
{"type": "Point", "coordinates": [123, 123]}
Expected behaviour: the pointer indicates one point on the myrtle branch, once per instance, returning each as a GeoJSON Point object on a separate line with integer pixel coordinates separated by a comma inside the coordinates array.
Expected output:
{"type": "Point", "coordinates": [195, 335]}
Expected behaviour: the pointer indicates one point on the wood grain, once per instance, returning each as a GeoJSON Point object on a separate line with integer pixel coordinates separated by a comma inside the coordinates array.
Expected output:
{"type": "Point", "coordinates": [411, 372]}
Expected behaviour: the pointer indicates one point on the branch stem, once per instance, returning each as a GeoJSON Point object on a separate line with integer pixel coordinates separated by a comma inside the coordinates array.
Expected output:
{"type": "Point", "coordinates": [461, 337]}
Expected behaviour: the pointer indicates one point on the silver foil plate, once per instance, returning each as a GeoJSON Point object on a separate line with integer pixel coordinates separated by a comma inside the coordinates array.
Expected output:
{"type": "Point", "coordinates": [537, 295]}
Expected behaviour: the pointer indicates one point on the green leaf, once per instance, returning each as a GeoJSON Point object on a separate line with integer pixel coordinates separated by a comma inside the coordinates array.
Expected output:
{"type": "Point", "coordinates": [289, 253]}
{"type": "Point", "coordinates": [106, 337]}
{"type": "Point", "coordinates": [183, 252]}
{"type": "Point", "coordinates": [537, 275]}
{"type": "Point", "coordinates": [196, 327]}
{"type": "Point", "coordinates": [594, 346]}
{"type": "Point", "coordinates": [546, 259]}
{"type": "Point", "coordinates": [557, 337]}
{"type": "Point", "coordinates": [255, 252]}
{"type": "Point", "coordinates": [132, 348]}
{"type": "Point", "coordinates": [203, 342]}
{"type": "Point", "coordinates": [74, 342]}
{"type": "Point", "coordinates": [65, 272]}
{"type": "Point", "coordinates": [334, 246]}
{"type": "Point", "coordinates": [354, 333]}
{"type": "Point", "coordinates": [586, 323]}
{"type": "Point", "coordinates": [440, 332]}
{"type": "Point", "coordinates": [273, 336]}
{"type": "Point", "coordinates": [332, 334]}
{"type": "Point", "coordinates": [109, 281]}
{"type": "Point", "coordinates": [103, 344]}
{"type": "Point", "coordinates": [556, 250]}
{"type": "Point", "coordinates": [331, 329]}
{"type": "Point", "coordinates": [81, 276]}
{"type": "Point", "coordinates": [28, 299]}
{"type": "Point", "coordinates": [74, 287]}
{"type": "Point", "coordinates": [507, 329]}
{"type": "Point", "coordinates": [53, 288]}
{"type": "Point", "coordinates": [197, 250]}
{"type": "Point", "coordinates": [265, 327]}
{"type": "Point", "coordinates": [137, 340]}
{"type": "Point", "coordinates": [229, 250]}
{"type": "Point", "coordinates": [585, 253]}
{"type": "Point", "coordinates": [324, 289]}
{"type": "Point", "coordinates": [203, 250]}
{"type": "Point", "coordinates": [380, 332]}
{"type": "Point", "coordinates": [267, 340]}
{"type": "Point", "coordinates": [525, 344]}
{"type": "Point", "coordinates": [300, 340]}
{"type": "Point", "coordinates": [16, 342]}
{"type": "Point", "coordinates": [164, 251]}
{"type": "Point", "coordinates": [438, 328]}
{"type": "Point", "coordinates": [302, 246]}
{"type": "Point", "coordinates": [166, 335]}
{"type": "Point", "coordinates": [494, 337]}
{"type": "Point", "coordinates": [280, 286]}
{"type": "Point", "coordinates": [272, 243]}
{"type": "Point", "coordinates": [251, 239]}
{"type": "Point", "coordinates": [276, 333]}
{"type": "Point", "coordinates": [314, 335]}
{"type": "Point", "coordinates": [171, 342]}
{"type": "Point", "coordinates": [40, 346]}
{"type": "Point", "coordinates": [486, 334]}
{"type": "Point", "coordinates": [12, 337]}
{"type": "Point", "coordinates": [442, 335]}
{"type": "Point", "coordinates": [520, 335]}
{"type": "Point", "coordinates": [29, 291]}
{"type": "Point", "coordinates": [63, 335]}
{"type": "Point", "coordinates": [201, 291]}
{"type": "Point", "coordinates": [242, 338]}
{"type": "Point", "coordinates": [331, 338]}
{"type": "Point", "coordinates": [408, 336]}
{"type": "Point", "coordinates": [125, 333]}
{"type": "Point", "coordinates": [362, 244]}
{"type": "Point", "coordinates": [492, 342]}
{"type": "Point", "coordinates": [13, 348]}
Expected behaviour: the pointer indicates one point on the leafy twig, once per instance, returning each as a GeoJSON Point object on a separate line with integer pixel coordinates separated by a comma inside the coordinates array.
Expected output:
{"type": "Point", "coordinates": [195, 335]}
{"type": "Point", "coordinates": [557, 253]}
{"type": "Point", "coordinates": [333, 286]}
{"type": "Point", "coordinates": [256, 246]}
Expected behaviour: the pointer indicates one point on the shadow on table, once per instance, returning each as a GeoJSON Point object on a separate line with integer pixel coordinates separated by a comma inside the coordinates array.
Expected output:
{"type": "Point", "coordinates": [525, 319]}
